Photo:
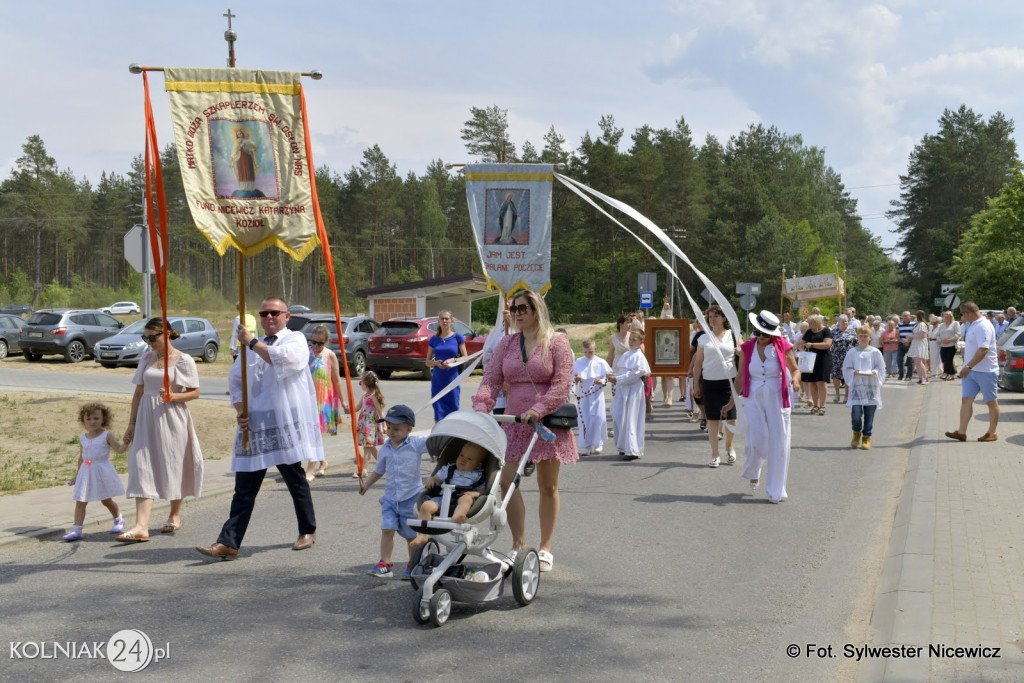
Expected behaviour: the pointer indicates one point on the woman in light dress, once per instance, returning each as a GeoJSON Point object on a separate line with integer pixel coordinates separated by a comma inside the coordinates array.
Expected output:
{"type": "Point", "coordinates": [164, 460]}
{"type": "Point", "coordinates": [919, 348]}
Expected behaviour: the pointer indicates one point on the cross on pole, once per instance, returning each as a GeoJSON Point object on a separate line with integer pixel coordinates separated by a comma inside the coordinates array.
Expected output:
{"type": "Point", "coordinates": [230, 36]}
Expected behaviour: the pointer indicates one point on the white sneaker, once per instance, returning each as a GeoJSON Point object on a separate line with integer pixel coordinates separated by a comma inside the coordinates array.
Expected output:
{"type": "Point", "coordinates": [732, 456]}
{"type": "Point", "coordinates": [715, 462]}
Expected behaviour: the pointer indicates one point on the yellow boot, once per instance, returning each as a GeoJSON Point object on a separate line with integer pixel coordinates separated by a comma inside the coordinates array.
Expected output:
{"type": "Point", "coordinates": [855, 442]}
{"type": "Point", "coordinates": [866, 443]}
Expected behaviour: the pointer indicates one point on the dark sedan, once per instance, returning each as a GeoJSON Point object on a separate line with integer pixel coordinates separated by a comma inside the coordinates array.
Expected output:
{"type": "Point", "coordinates": [10, 332]}
{"type": "Point", "coordinates": [358, 329]}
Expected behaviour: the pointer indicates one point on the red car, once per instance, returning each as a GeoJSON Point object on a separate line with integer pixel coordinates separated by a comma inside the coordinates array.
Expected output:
{"type": "Point", "coordinates": [401, 344]}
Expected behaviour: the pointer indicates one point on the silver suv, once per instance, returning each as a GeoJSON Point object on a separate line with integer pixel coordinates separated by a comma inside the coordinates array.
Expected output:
{"type": "Point", "coordinates": [70, 332]}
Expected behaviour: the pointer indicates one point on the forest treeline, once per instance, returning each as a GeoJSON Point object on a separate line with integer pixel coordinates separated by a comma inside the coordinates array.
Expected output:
{"type": "Point", "coordinates": [741, 210]}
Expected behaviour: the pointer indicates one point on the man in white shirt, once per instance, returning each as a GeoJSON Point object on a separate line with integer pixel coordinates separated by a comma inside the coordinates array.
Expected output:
{"type": "Point", "coordinates": [979, 373]}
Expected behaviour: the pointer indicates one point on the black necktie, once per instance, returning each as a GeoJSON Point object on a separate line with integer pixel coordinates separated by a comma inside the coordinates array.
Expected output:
{"type": "Point", "coordinates": [269, 341]}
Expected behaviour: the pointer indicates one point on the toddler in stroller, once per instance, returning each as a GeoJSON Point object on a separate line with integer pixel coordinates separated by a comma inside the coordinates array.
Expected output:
{"type": "Point", "coordinates": [462, 520]}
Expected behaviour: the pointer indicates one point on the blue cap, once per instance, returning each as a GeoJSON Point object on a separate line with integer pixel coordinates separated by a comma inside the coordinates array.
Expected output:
{"type": "Point", "coordinates": [400, 415]}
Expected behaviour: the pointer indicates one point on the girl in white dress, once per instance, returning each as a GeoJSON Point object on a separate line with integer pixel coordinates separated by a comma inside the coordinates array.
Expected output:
{"type": "Point", "coordinates": [590, 373]}
{"type": "Point", "coordinates": [919, 349]}
{"type": "Point", "coordinates": [628, 407]}
{"type": "Point", "coordinates": [96, 478]}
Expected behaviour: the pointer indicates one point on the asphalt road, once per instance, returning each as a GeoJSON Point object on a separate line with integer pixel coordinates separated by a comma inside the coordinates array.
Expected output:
{"type": "Point", "coordinates": [666, 570]}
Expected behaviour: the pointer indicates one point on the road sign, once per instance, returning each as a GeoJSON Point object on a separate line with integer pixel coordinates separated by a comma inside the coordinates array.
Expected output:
{"type": "Point", "coordinates": [136, 250]}
{"type": "Point", "coordinates": [946, 289]}
{"type": "Point", "coordinates": [647, 282]}
{"type": "Point", "coordinates": [748, 301]}
{"type": "Point", "coordinates": [748, 288]}
{"type": "Point", "coordinates": [646, 299]}
{"type": "Point", "coordinates": [952, 302]}
{"type": "Point", "coordinates": [939, 301]}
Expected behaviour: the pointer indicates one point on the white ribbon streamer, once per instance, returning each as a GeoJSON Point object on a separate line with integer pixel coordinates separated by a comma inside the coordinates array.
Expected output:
{"type": "Point", "coordinates": [727, 308]}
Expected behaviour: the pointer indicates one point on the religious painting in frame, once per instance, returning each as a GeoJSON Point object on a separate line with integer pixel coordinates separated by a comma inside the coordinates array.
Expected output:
{"type": "Point", "coordinates": [667, 346]}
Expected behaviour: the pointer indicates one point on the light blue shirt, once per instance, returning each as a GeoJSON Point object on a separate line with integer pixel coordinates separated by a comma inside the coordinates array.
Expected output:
{"type": "Point", "coordinates": [401, 467]}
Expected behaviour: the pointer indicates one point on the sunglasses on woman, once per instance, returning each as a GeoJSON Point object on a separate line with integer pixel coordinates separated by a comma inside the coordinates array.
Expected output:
{"type": "Point", "coordinates": [317, 344]}
{"type": "Point", "coordinates": [521, 308]}
{"type": "Point", "coordinates": [150, 337]}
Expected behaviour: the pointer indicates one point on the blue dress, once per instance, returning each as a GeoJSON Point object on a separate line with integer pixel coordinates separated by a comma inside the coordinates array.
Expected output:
{"type": "Point", "coordinates": [445, 349]}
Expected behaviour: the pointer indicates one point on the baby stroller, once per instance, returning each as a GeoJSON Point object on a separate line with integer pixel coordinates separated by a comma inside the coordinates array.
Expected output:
{"type": "Point", "coordinates": [439, 574]}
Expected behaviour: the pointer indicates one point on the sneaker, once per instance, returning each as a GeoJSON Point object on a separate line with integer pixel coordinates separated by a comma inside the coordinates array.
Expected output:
{"type": "Point", "coordinates": [382, 570]}
{"type": "Point", "coordinates": [715, 462]}
{"type": "Point", "coordinates": [704, 425]}
{"type": "Point", "coordinates": [732, 456]}
{"type": "Point", "coordinates": [118, 526]}
{"type": "Point", "coordinates": [75, 535]}
{"type": "Point", "coordinates": [407, 572]}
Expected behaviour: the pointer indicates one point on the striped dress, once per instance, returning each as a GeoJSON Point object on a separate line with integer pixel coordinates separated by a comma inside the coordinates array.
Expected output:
{"type": "Point", "coordinates": [327, 399]}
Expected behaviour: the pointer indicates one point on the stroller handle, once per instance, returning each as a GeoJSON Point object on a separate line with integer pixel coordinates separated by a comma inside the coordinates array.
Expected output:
{"type": "Point", "coordinates": [542, 431]}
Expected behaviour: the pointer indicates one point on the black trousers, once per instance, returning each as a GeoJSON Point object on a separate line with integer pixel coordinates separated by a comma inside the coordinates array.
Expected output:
{"type": "Point", "coordinates": [247, 485]}
{"type": "Point", "coordinates": [905, 362]}
{"type": "Point", "coordinates": [946, 353]}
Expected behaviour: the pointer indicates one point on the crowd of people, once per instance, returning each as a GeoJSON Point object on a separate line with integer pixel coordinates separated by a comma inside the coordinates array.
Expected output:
{"type": "Point", "coordinates": [294, 397]}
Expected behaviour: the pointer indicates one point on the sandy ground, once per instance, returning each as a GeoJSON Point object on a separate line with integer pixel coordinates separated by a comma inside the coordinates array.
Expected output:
{"type": "Point", "coordinates": [40, 445]}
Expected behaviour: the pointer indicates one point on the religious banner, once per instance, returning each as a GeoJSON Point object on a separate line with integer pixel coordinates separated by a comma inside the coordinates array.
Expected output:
{"type": "Point", "coordinates": [510, 208]}
{"type": "Point", "coordinates": [243, 157]}
{"type": "Point", "coordinates": [813, 287]}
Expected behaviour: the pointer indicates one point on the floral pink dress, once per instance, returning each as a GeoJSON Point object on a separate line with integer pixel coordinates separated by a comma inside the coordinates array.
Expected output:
{"type": "Point", "coordinates": [542, 384]}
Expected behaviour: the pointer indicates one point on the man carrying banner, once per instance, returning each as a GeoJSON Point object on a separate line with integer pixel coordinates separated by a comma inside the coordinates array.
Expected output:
{"type": "Point", "coordinates": [283, 427]}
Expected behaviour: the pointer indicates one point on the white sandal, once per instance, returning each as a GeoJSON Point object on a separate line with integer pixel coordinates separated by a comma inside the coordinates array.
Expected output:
{"type": "Point", "coordinates": [545, 557]}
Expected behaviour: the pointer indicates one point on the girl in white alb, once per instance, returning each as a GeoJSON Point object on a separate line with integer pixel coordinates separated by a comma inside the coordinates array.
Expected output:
{"type": "Point", "coordinates": [96, 478]}
{"type": "Point", "coordinates": [629, 373]}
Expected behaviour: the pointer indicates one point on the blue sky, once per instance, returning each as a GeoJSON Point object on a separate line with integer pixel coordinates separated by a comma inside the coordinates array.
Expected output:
{"type": "Point", "coordinates": [863, 80]}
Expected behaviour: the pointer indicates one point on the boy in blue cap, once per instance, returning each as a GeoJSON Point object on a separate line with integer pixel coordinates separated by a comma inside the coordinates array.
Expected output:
{"type": "Point", "coordinates": [398, 460]}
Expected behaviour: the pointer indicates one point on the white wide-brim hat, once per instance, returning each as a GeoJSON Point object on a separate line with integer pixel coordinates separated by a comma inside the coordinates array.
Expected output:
{"type": "Point", "coordinates": [765, 322]}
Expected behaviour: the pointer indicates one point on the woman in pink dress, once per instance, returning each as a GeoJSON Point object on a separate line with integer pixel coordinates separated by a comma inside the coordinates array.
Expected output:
{"type": "Point", "coordinates": [535, 388]}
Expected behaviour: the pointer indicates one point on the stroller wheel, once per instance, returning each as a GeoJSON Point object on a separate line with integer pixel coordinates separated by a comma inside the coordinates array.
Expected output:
{"type": "Point", "coordinates": [440, 607]}
{"type": "Point", "coordinates": [420, 611]}
{"type": "Point", "coordinates": [526, 576]}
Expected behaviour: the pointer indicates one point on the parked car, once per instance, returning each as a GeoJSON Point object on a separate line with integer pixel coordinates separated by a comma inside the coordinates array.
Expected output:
{"type": "Point", "coordinates": [401, 344]}
{"type": "Point", "coordinates": [198, 338]}
{"type": "Point", "coordinates": [1011, 376]}
{"type": "Point", "coordinates": [10, 334]}
{"type": "Point", "coordinates": [16, 309]}
{"type": "Point", "coordinates": [1011, 337]}
{"type": "Point", "coordinates": [71, 332]}
{"type": "Point", "coordinates": [123, 308]}
{"type": "Point", "coordinates": [299, 308]}
{"type": "Point", "coordinates": [357, 331]}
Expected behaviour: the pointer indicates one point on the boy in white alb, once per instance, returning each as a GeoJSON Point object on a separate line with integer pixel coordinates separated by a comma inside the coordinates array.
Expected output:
{"type": "Point", "coordinates": [590, 375]}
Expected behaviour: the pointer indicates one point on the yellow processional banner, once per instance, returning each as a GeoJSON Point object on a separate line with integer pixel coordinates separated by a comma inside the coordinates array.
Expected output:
{"type": "Point", "coordinates": [243, 156]}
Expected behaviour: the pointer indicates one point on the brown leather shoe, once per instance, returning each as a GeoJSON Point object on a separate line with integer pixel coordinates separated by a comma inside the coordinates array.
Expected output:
{"type": "Point", "coordinates": [218, 550]}
{"type": "Point", "coordinates": [957, 435]}
{"type": "Point", "coordinates": [305, 541]}
{"type": "Point", "coordinates": [988, 437]}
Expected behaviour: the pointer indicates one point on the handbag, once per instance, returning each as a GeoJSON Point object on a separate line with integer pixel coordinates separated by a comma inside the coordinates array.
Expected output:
{"type": "Point", "coordinates": [565, 416]}
{"type": "Point", "coordinates": [805, 361]}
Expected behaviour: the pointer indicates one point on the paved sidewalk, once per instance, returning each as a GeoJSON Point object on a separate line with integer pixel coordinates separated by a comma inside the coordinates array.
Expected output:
{"type": "Point", "coordinates": [954, 573]}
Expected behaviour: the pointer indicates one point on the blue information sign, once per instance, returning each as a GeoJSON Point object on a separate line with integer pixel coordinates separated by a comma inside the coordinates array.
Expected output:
{"type": "Point", "coordinates": [646, 299]}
